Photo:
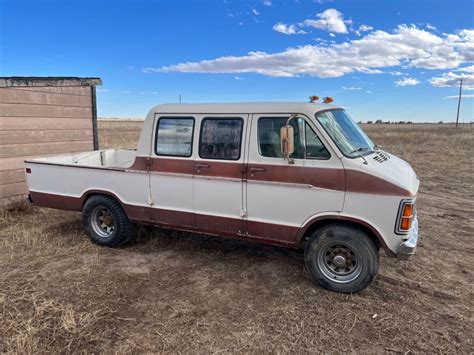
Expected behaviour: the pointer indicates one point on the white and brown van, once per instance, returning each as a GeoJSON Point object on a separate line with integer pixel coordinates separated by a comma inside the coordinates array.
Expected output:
{"type": "Point", "coordinates": [298, 175]}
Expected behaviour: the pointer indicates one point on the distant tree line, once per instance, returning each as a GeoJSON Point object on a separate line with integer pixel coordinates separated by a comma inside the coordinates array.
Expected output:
{"type": "Point", "coordinates": [388, 122]}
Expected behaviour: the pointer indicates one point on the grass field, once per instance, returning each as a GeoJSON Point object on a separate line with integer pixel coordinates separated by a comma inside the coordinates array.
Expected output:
{"type": "Point", "coordinates": [172, 291]}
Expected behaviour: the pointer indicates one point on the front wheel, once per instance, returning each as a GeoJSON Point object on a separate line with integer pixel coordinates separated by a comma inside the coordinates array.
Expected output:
{"type": "Point", "coordinates": [342, 258]}
{"type": "Point", "coordinates": [105, 221]}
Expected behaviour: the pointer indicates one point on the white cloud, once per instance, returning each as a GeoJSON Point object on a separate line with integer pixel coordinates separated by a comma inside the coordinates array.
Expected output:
{"type": "Point", "coordinates": [351, 88]}
{"type": "Point", "coordinates": [255, 12]}
{"type": "Point", "coordinates": [332, 34]}
{"type": "Point", "coordinates": [155, 93]}
{"type": "Point", "coordinates": [469, 69]}
{"type": "Point", "coordinates": [238, 78]}
{"type": "Point", "coordinates": [103, 90]}
{"type": "Point", "coordinates": [287, 29]}
{"type": "Point", "coordinates": [363, 28]}
{"type": "Point", "coordinates": [330, 20]}
{"type": "Point", "coordinates": [151, 70]}
{"type": "Point", "coordinates": [407, 82]}
{"type": "Point", "coordinates": [126, 92]}
{"type": "Point", "coordinates": [368, 92]}
{"type": "Point", "coordinates": [452, 79]}
{"type": "Point", "coordinates": [468, 96]}
{"type": "Point", "coordinates": [408, 46]}
{"type": "Point", "coordinates": [396, 73]}
{"type": "Point", "coordinates": [431, 27]}
{"type": "Point", "coordinates": [267, 2]}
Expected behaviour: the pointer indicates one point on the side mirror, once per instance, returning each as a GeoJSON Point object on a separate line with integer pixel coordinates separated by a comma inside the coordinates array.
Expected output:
{"type": "Point", "coordinates": [287, 141]}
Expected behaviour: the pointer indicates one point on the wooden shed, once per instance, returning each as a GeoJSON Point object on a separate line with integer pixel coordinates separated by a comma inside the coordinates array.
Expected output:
{"type": "Point", "coordinates": [42, 116]}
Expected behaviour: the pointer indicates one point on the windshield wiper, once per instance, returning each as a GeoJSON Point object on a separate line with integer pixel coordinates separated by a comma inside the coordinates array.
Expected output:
{"type": "Point", "coordinates": [358, 150]}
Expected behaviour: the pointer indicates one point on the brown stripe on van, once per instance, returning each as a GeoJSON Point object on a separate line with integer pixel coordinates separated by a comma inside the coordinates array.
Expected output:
{"type": "Point", "coordinates": [325, 178]}
{"type": "Point", "coordinates": [331, 179]}
{"type": "Point", "coordinates": [358, 181]}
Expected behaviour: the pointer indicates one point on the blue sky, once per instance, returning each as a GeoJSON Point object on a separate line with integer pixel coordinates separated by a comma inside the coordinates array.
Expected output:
{"type": "Point", "coordinates": [393, 60]}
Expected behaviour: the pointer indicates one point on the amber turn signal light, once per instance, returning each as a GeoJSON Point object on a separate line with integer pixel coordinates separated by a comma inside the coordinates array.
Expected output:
{"type": "Point", "coordinates": [407, 210]}
{"type": "Point", "coordinates": [406, 217]}
{"type": "Point", "coordinates": [328, 100]}
{"type": "Point", "coordinates": [405, 224]}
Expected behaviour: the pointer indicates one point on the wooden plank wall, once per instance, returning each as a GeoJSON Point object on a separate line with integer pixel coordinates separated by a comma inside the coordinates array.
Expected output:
{"type": "Point", "coordinates": [37, 121]}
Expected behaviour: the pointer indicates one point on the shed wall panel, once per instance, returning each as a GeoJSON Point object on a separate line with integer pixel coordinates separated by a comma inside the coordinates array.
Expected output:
{"type": "Point", "coordinates": [44, 123]}
{"type": "Point", "coordinates": [14, 163]}
{"type": "Point", "coordinates": [46, 89]}
{"type": "Point", "coordinates": [42, 136]}
{"type": "Point", "coordinates": [77, 90]}
{"type": "Point", "coordinates": [19, 96]}
{"type": "Point", "coordinates": [34, 110]}
{"type": "Point", "coordinates": [11, 176]}
{"type": "Point", "coordinates": [17, 188]}
{"type": "Point", "coordinates": [37, 121]}
{"type": "Point", "coordinates": [20, 150]}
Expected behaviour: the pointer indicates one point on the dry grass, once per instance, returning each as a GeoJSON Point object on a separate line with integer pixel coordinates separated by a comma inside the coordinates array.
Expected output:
{"type": "Point", "coordinates": [173, 291]}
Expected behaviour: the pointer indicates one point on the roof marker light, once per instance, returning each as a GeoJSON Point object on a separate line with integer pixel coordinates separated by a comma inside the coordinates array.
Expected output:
{"type": "Point", "coordinates": [313, 98]}
{"type": "Point", "coordinates": [328, 100]}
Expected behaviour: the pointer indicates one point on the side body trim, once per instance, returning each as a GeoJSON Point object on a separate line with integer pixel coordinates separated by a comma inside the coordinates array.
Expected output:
{"type": "Point", "coordinates": [283, 235]}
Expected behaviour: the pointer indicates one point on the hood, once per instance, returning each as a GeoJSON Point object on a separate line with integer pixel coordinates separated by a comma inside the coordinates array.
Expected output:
{"type": "Point", "coordinates": [389, 168]}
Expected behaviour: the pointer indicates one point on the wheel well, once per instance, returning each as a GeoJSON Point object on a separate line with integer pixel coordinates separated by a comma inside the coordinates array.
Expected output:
{"type": "Point", "coordinates": [90, 194]}
{"type": "Point", "coordinates": [324, 222]}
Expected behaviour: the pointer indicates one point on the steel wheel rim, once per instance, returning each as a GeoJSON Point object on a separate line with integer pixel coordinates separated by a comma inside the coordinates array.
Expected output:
{"type": "Point", "coordinates": [102, 222]}
{"type": "Point", "coordinates": [340, 262]}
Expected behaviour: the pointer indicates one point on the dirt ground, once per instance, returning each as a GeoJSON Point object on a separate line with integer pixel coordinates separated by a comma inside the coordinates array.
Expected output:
{"type": "Point", "coordinates": [180, 292]}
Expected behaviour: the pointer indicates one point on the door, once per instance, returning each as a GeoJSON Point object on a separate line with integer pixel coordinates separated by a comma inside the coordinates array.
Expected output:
{"type": "Point", "coordinates": [281, 196]}
{"type": "Point", "coordinates": [218, 174]}
{"type": "Point", "coordinates": [171, 171]}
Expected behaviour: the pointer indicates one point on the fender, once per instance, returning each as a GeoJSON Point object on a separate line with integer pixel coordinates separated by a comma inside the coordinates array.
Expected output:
{"type": "Point", "coordinates": [338, 217]}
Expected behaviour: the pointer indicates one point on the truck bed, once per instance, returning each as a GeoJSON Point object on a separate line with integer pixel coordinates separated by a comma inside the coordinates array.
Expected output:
{"type": "Point", "coordinates": [107, 158]}
{"type": "Point", "coordinates": [63, 181]}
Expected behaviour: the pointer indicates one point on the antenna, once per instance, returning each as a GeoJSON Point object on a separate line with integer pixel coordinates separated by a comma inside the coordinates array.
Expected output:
{"type": "Point", "coordinates": [459, 103]}
{"type": "Point", "coordinates": [179, 98]}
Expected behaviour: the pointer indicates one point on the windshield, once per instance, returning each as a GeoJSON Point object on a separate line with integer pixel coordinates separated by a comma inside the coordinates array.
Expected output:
{"type": "Point", "coordinates": [348, 136]}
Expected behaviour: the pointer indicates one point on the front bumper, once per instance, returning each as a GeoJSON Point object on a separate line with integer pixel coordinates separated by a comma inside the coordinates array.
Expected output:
{"type": "Point", "coordinates": [408, 247]}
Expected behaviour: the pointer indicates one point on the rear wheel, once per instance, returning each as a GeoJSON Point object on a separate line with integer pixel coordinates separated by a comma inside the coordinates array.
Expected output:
{"type": "Point", "coordinates": [342, 258]}
{"type": "Point", "coordinates": [105, 221]}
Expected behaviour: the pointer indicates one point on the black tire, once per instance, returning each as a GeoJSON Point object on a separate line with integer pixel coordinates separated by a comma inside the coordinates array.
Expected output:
{"type": "Point", "coordinates": [342, 258]}
{"type": "Point", "coordinates": [105, 222]}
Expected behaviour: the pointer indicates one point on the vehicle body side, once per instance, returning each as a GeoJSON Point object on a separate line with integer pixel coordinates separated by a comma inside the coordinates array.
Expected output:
{"type": "Point", "coordinates": [254, 197]}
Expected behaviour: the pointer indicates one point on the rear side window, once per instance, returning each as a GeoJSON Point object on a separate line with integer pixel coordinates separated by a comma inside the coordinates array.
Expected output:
{"type": "Point", "coordinates": [221, 138]}
{"type": "Point", "coordinates": [174, 136]}
{"type": "Point", "coordinates": [307, 143]}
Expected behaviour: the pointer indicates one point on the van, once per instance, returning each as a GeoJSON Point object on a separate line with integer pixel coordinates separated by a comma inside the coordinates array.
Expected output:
{"type": "Point", "coordinates": [296, 175]}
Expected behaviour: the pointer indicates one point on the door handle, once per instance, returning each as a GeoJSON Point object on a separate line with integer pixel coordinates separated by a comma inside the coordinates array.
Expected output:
{"type": "Point", "coordinates": [256, 170]}
{"type": "Point", "coordinates": [202, 166]}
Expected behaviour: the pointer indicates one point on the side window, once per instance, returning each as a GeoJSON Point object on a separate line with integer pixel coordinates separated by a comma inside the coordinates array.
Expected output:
{"type": "Point", "coordinates": [269, 137]}
{"type": "Point", "coordinates": [307, 143]}
{"type": "Point", "coordinates": [314, 146]}
{"type": "Point", "coordinates": [220, 138]}
{"type": "Point", "coordinates": [174, 136]}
